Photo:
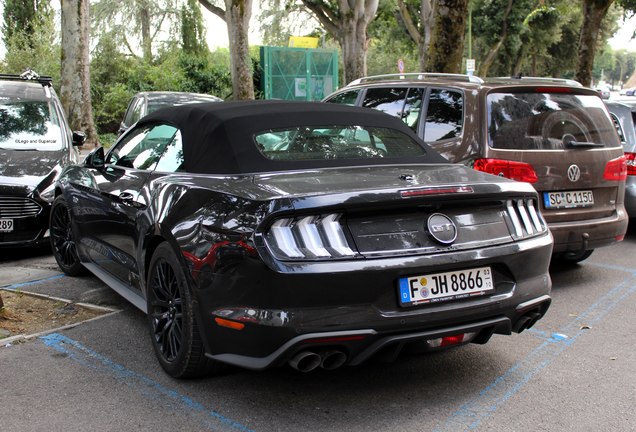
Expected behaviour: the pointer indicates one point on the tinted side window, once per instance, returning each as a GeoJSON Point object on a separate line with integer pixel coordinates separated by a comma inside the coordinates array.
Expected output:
{"type": "Point", "coordinates": [413, 107]}
{"type": "Point", "coordinates": [172, 158]}
{"type": "Point", "coordinates": [619, 129]}
{"type": "Point", "coordinates": [345, 98]}
{"type": "Point", "coordinates": [444, 115]}
{"type": "Point", "coordinates": [134, 113]}
{"type": "Point", "coordinates": [142, 148]}
{"type": "Point", "coordinates": [388, 100]}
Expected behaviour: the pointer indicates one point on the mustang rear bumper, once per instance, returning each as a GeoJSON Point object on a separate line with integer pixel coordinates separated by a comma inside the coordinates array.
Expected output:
{"type": "Point", "coordinates": [360, 345]}
{"type": "Point", "coordinates": [357, 312]}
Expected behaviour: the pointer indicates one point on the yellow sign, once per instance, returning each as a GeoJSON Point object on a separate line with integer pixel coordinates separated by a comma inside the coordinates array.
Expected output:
{"type": "Point", "coordinates": [303, 42]}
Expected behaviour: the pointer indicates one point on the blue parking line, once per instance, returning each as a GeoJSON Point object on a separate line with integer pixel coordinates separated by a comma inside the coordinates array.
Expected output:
{"type": "Point", "coordinates": [16, 286]}
{"type": "Point", "coordinates": [146, 386]}
{"type": "Point", "coordinates": [470, 415]}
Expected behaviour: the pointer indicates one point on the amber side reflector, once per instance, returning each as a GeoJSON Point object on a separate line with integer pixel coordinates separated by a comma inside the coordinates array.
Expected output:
{"type": "Point", "coordinates": [229, 324]}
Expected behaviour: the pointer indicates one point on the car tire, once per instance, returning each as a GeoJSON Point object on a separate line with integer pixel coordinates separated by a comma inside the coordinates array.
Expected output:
{"type": "Point", "coordinates": [173, 327]}
{"type": "Point", "coordinates": [62, 239]}
{"type": "Point", "coordinates": [575, 257]}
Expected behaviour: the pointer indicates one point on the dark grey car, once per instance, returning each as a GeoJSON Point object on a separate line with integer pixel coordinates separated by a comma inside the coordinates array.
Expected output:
{"type": "Point", "coordinates": [624, 115]}
{"type": "Point", "coordinates": [268, 233]}
{"type": "Point", "coordinates": [144, 103]}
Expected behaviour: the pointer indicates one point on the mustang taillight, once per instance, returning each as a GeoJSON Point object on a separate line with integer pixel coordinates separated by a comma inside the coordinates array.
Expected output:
{"type": "Point", "coordinates": [309, 237]}
{"type": "Point", "coordinates": [616, 169]}
{"type": "Point", "coordinates": [514, 170]}
{"type": "Point", "coordinates": [525, 218]}
{"type": "Point", "coordinates": [631, 163]}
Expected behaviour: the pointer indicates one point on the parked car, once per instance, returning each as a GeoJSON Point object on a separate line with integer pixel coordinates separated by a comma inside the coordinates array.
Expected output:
{"type": "Point", "coordinates": [260, 234]}
{"type": "Point", "coordinates": [604, 92]}
{"type": "Point", "coordinates": [36, 143]}
{"type": "Point", "coordinates": [552, 133]}
{"type": "Point", "coordinates": [624, 115]}
{"type": "Point", "coordinates": [628, 91]}
{"type": "Point", "coordinates": [144, 103]}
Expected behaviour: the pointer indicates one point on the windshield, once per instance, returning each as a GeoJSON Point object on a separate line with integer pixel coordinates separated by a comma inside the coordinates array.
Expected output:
{"type": "Point", "coordinates": [29, 125]}
{"type": "Point", "coordinates": [336, 142]}
{"type": "Point", "coordinates": [548, 121]}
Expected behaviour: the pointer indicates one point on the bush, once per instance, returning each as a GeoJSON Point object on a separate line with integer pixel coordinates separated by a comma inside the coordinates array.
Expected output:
{"type": "Point", "coordinates": [110, 110]}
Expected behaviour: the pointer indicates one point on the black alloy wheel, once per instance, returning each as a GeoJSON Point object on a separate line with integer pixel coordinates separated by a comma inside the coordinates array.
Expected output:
{"type": "Point", "coordinates": [173, 327]}
{"type": "Point", "coordinates": [62, 239]}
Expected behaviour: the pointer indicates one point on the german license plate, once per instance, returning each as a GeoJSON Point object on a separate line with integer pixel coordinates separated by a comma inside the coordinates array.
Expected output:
{"type": "Point", "coordinates": [568, 199]}
{"type": "Point", "coordinates": [6, 225]}
{"type": "Point", "coordinates": [437, 287]}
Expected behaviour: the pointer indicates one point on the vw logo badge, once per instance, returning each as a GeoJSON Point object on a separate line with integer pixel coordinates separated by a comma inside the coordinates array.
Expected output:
{"type": "Point", "coordinates": [441, 228]}
{"type": "Point", "coordinates": [574, 173]}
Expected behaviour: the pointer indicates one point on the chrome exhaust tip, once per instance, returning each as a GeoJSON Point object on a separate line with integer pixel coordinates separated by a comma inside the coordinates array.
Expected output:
{"type": "Point", "coordinates": [305, 361]}
{"type": "Point", "coordinates": [332, 359]}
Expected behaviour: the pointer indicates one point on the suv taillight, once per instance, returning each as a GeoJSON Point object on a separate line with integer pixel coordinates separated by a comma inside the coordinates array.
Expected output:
{"type": "Point", "coordinates": [519, 171]}
{"type": "Point", "coordinates": [616, 169]}
{"type": "Point", "coordinates": [631, 163]}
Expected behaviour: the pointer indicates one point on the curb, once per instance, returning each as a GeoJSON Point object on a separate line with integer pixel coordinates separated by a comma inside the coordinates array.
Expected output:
{"type": "Point", "coordinates": [23, 338]}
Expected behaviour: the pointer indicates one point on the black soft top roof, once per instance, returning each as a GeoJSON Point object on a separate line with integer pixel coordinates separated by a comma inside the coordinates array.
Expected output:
{"type": "Point", "coordinates": [218, 138]}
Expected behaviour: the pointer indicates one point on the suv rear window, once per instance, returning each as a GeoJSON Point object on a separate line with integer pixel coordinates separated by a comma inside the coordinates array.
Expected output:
{"type": "Point", "coordinates": [548, 121]}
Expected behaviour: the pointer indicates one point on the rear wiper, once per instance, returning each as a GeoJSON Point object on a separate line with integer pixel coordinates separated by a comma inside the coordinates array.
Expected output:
{"type": "Point", "coordinates": [571, 142]}
{"type": "Point", "coordinates": [582, 144]}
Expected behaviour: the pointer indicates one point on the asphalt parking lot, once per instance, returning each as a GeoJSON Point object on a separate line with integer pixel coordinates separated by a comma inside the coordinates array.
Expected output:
{"type": "Point", "coordinates": [572, 372]}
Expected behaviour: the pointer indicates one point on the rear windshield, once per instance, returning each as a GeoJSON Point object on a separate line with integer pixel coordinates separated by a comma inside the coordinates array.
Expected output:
{"type": "Point", "coordinates": [336, 142]}
{"type": "Point", "coordinates": [548, 121]}
{"type": "Point", "coordinates": [29, 125]}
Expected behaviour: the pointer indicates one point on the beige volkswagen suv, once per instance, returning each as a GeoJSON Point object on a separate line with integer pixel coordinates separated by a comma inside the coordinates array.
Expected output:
{"type": "Point", "coordinates": [552, 133]}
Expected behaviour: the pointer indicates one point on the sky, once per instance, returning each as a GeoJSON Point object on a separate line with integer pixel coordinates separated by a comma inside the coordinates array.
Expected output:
{"type": "Point", "coordinates": [622, 39]}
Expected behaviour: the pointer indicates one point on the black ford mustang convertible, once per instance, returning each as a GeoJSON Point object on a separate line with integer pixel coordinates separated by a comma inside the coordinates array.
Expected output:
{"type": "Point", "coordinates": [260, 234]}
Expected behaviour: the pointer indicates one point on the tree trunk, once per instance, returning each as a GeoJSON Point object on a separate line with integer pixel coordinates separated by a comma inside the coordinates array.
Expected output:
{"type": "Point", "coordinates": [347, 22]}
{"type": "Point", "coordinates": [1, 303]}
{"type": "Point", "coordinates": [494, 50]}
{"type": "Point", "coordinates": [146, 39]}
{"type": "Point", "coordinates": [447, 42]}
{"type": "Point", "coordinates": [354, 48]}
{"type": "Point", "coordinates": [422, 39]}
{"type": "Point", "coordinates": [237, 18]}
{"type": "Point", "coordinates": [75, 91]}
{"type": "Point", "coordinates": [427, 17]}
{"type": "Point", "coordinates": [593, 13]}
{"type": "Point", "coordinates": [353, 37]}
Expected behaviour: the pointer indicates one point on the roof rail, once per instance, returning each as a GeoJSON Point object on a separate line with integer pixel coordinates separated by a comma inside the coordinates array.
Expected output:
{"type": "Point", "coordinates": [28, 75]}
{"type": "Point", "coordinates": [418, 76]}
{"type": "Point", "coordinates": [542, 79]}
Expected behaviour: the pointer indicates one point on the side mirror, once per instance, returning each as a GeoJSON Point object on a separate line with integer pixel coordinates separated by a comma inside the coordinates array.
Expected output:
{"type": "Point", "coordinates": [95, 159]}
{"type": "Point", "coordinates": [78, 138]}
